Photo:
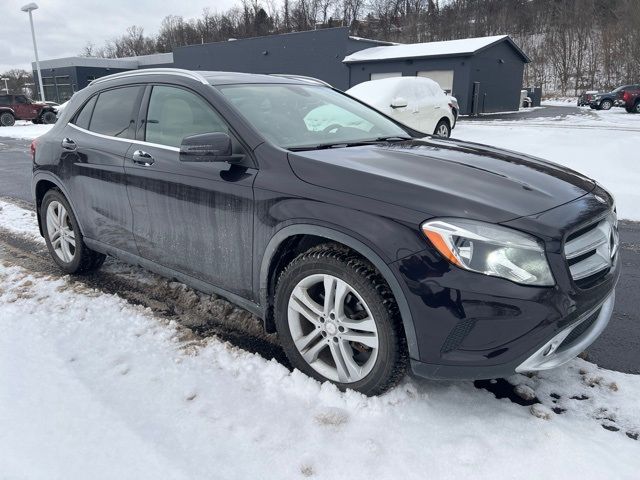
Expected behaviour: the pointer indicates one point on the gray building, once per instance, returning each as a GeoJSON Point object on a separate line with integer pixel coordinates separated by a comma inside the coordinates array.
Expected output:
{"type": "Point", "coordinates": [62, 77]}
{"type": "Point", "coordinates": [484, 74]}
{"type": "Point", "coordinates": [315, 53]}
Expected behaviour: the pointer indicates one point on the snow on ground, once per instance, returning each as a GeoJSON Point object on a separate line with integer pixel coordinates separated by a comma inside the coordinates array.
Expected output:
{"type": "Point", "coordinates": [93, 387]}
{"type": "Point", "coordinates": [24, 130]}
{"type": "Point", "coordinates": [602, 145]}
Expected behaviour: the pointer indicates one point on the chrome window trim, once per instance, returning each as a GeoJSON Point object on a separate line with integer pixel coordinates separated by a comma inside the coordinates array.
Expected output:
{"type": "Point", "coordinates": [152, 71]}
{"type": "Point", "coordinates": [127, 140]}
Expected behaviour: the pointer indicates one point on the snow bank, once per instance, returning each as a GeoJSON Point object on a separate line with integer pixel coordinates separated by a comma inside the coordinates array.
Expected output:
{"type": "Point", "coordinates": [24, 130]}
{"type": "Point", "coordinates": [601, 145]}
{"type": "Point", "coordinates": [93, 387]}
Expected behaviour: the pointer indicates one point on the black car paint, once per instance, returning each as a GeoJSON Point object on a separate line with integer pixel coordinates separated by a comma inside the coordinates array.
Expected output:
{"type": "Point", "coordinates": [221, 227]}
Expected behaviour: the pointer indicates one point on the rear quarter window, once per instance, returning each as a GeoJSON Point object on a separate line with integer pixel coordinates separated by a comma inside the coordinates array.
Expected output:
{"type": "Point", "coordinates": [114, 113]}
{"type": "Point", "coordinates": [83, 117]}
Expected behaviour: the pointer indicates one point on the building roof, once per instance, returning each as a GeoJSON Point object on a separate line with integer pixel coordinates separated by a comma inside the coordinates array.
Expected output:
{"type": "Point", "coordinates": [127, 63]}
{"type": "Point", "coordinates": [447, 48]}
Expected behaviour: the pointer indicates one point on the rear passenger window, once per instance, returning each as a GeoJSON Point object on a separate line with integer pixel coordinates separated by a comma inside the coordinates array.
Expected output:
{"type": "Point", "coordinates": [175, 113]}
{"type": "Point", "coordinates": [114, 114]}
{"type": "Point", "coordinates": [84, 116]}
{"type": "Point", "coordinates": [5, 100]}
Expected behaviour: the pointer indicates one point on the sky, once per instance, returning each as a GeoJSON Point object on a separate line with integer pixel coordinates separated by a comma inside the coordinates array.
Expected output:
{"type": "Point", "coordinates": [63, 27]}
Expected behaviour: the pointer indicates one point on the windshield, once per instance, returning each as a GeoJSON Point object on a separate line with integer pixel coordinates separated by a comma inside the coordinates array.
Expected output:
{"type": "Point", "coordinates": [308, 116]}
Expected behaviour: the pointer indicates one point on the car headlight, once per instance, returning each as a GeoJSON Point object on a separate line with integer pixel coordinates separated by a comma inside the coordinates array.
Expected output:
{"type": "Point", "coordinates": [490, 249]}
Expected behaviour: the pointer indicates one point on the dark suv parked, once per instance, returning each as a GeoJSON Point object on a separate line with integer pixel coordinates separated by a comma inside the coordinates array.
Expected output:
{"type": "Point", "coordinates": [20, 107]}
{"type": "Point", "coordinates": [606, 100]}
{"type": "Point", "coordinates": [365, 244]}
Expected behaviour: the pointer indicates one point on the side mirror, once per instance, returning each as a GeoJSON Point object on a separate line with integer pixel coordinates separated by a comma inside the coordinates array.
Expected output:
{"type": "Point", "coordinates": [399, 102]}
{"type": "Point", "coordinates": [208, 147]}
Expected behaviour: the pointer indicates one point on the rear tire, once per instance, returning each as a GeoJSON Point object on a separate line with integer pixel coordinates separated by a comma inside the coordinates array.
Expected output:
{"type": "Point", "coordinates": [7, 119]}
{"type": "Point", "coordinates": [636, 107]}
{"type": "Point", "coordinates": [354, 339]}
{"type": "Point", "coordinates": [63, 237]}
{"type": "Point", "coordinates": [442, 129]}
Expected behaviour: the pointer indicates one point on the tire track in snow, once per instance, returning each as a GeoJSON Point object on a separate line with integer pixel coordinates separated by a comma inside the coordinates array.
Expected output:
{"type": "Point", "coordinates": [204, 315]}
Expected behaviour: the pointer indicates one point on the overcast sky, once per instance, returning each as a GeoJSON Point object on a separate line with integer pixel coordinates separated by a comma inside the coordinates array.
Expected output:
{"type": "Point", "coordinates": [63, 27]}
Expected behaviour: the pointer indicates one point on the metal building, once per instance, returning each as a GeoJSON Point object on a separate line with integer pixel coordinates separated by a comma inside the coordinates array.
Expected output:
{"type": "Point", "coordinates": [62, 77]}
{"type": "Point", "coordinates": [484, 73]}
{"type": "Point", "coordinates": [315, 53]}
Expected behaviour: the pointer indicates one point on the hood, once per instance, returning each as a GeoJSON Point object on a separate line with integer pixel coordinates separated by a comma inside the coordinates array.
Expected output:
{"type": "Point", "coordinates": [444, 177]}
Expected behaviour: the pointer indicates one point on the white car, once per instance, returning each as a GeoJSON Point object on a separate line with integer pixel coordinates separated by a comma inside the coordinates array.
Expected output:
{"type": "Point", "coordinates": [418, 102]}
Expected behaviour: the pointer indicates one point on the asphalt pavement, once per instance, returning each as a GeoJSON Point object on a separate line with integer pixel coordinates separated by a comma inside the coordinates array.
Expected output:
{"type": "Point", "coordinates": [618, 348]}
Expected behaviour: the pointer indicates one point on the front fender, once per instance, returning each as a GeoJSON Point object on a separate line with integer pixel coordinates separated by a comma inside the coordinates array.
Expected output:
{"type": "Point", "coordinates": [358, 246]}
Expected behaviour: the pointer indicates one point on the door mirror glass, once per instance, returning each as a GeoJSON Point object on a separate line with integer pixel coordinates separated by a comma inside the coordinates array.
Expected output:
{"type": "Point", "coordinates": [208, 147]}
{"type": "Point", "coordinates": [399, 102]}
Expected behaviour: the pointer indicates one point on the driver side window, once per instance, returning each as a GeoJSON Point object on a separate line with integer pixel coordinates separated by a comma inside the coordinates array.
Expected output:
{"type": "Point", "coordinates": [175, 113]}
{"type": "Point", "coordinates": [21, 99]}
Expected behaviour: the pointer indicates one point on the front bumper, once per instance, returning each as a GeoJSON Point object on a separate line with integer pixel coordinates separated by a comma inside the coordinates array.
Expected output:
{"type": "Point", "coordinates": [472, 326]}
{"type": "Point", "coordinates": [574, 339]}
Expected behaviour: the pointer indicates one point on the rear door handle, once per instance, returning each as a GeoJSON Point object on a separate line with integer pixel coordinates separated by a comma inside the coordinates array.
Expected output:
{"type": "Point", "coordinates": [68, 144]}
{"type": "Point", "coordinates": [143, 158]}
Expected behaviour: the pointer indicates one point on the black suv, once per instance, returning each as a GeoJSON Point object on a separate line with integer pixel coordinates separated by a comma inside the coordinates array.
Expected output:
{"type": "Point", "coordinates": [606, 100]}
{"type": "Point", "coordinates": [365, 244]}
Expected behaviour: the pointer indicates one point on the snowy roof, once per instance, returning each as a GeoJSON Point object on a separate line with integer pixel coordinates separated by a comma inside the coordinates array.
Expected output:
{"type": "Point", "coordinates": [466, 46]}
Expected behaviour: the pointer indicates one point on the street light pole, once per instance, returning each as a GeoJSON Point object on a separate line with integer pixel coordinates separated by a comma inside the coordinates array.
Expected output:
{"type": "Point", "coordinates": [6, 86]}
{"type": "Point", "coordinates": [29, 8]}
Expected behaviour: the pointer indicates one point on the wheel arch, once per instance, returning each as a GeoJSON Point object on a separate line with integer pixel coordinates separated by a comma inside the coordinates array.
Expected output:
{"type": "Point", "coordinates": [275, 256]}
{"type": "Point", "coordinates": [42, 183]}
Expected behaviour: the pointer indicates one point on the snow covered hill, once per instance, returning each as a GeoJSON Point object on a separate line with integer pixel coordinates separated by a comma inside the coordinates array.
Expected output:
{"type": "Point", "coordinates": [92, 387]}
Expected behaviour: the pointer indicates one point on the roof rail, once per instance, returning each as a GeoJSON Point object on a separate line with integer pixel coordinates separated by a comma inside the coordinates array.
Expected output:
{"type": "Point", "coordinates": [302, 77]}
{"type": "Point", "coordinates": [152, 71]}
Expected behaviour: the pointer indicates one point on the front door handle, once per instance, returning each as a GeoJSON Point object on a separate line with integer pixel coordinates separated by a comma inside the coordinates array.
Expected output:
{"type": "Point", "coordinates": [68, 144]}
{"type": "Point", "coordinates": [143, 158]}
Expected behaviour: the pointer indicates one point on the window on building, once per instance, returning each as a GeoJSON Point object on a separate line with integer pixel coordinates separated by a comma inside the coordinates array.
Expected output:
{"type": "Point", "coordinates": [379, 76]}
{"type": "Point", "coordinates": [443, 77]}
{"type": "Point", "coordinates": [113, 113]}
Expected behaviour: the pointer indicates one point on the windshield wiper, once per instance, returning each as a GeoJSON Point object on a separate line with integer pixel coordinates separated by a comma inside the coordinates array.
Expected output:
{"type": "Point", "coordinates": [323, 146]}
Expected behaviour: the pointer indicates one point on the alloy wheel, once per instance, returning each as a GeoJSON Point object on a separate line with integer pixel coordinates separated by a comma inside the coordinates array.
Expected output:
{"type": "Point", "coordinates": [442, 131]}
{"type": "Point", "coordinates": [60, 231]}
{"type": "Point", "coordinates": [333, 328]}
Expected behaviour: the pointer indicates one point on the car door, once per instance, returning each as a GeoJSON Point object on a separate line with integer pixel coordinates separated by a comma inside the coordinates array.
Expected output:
{"type": "Point", "coordinates": [24, 109]}
{"type": "Point", "coordinates": [93, 147]}
{"type": "Point", "coordinates": [194, 218]}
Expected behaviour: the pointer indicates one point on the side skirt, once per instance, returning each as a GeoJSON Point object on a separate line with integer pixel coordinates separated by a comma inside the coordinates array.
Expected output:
{"type": "Point", "coordinates": [193, 282]}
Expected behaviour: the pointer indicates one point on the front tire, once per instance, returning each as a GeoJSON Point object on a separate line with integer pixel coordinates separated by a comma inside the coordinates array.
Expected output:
{"type": "Point", "coordinates": [63, 237]}
{"type": "Point", "coordinates": [7, 119]}
{"type": "Point", "coordinates": [338, 321]}
{"type": "Point", "coordinates": [442, 129]}
{"type": "Point", "coordinates": [606, 105]}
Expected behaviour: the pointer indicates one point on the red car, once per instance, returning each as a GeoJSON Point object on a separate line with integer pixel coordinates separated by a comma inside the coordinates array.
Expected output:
{"type": "Point", "coordinates": [631, 99]}
{"type": "Point", "coordinates": [19, 107]}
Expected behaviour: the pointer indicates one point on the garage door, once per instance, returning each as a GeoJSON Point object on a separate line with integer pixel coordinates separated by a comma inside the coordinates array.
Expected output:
{"type": "Point", "coordinates": [443, 77]}
{"type": "Point", "coordinates": [378, 76]}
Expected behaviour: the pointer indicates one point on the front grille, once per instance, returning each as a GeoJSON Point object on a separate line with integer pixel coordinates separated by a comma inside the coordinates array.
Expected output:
{"type": "Point", "coordinates": [591, 250]}
{"type": "Point", "coordinates": [577, 332]}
